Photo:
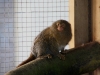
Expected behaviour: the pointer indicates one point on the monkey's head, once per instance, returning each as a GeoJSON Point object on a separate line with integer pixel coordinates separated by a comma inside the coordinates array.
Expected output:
{"type": "Point", "coordinates": [61, 26]}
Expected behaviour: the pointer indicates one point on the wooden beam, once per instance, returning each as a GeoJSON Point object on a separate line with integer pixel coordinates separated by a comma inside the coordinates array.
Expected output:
{"type": "Point", "coordinates": [81, 30]}
{"type": "Point", "coordinates": [71, 19]}
{"type": "Point", "coordinates": [96, 19]}
{"type": "Point", "coordinates": [78, 12]}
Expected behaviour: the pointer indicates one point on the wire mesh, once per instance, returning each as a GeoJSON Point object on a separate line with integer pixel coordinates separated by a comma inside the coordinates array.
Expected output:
{"type": "Point", "coordinates": [20, 22]}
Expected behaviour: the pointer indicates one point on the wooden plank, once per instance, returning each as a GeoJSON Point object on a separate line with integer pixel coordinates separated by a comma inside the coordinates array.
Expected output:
{"type": "Point", "coordinates": [71, 20]}
{"type": "Point", "coordinates": [81, 22]}
{"type": "Point", "coordinates": [78, 12]}
{"type": "Point", "coordinates": [96, 19]}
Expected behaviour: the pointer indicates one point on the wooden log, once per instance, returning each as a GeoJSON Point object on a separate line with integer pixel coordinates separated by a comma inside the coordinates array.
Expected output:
{"type": "Point", "coordinates": [78, 60]}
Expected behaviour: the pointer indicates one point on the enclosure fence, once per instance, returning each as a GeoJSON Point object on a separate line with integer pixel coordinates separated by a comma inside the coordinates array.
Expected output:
{"type": "Point", "coordinates": [20, 22]}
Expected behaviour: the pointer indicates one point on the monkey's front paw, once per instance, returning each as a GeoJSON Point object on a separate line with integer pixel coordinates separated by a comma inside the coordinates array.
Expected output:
{"type": "Point", "coordinates": [61, 56]}
{"type": "Point", "coordinates": [46, 56]}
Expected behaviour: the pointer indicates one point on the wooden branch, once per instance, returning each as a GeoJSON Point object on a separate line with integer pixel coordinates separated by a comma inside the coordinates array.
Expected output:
{"type": "Point", "coordinates": [78, 61]}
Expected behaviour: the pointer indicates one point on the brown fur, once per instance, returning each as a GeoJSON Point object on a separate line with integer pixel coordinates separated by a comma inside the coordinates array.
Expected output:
{"type": "Point", "coordinates": [51, 40]}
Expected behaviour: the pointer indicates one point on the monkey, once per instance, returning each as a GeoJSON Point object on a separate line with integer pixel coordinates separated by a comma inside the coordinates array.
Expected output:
{"type": "Point", "coordinates": [50, 41]}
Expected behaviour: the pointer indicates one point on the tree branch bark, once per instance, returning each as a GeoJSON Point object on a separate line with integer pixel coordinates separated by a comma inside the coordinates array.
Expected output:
{"type": "Point", "coordinates": [78, 60]}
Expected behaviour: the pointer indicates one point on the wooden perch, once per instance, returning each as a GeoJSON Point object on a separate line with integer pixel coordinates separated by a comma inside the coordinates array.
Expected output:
{"type": "Point", "coordinates": [78, 60]}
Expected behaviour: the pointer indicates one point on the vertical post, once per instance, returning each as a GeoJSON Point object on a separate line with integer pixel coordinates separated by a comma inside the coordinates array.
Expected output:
{"type": "Point", "coordinates": [96, 26]}
{"type": "Point", "coordinates": [71, 19]}
{"type": "Point", "coordinates": [78, 12]}
{"type": "Point", "coordinates": [81, 22]}
{"type": "Point", "coordinates": [96, 19]}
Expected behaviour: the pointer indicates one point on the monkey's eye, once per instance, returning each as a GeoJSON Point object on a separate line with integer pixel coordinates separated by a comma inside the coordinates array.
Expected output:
{"type": "Point", "coordinates": [58, 24]}
{"type": "Point", "coordinates": [63, 24]}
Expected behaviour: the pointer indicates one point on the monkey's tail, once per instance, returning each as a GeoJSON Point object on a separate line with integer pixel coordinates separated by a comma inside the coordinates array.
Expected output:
{"type": "Point", "coordinates": [30, 58]}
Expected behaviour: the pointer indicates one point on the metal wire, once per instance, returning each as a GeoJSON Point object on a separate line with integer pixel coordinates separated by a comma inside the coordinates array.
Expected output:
{"type": "Point", "coordinates": [20, 22]}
